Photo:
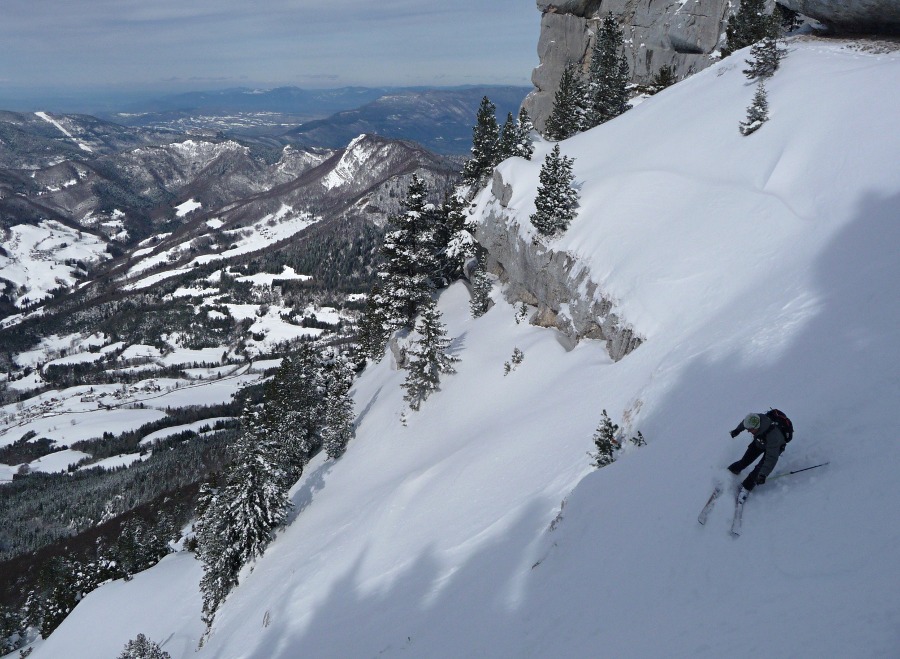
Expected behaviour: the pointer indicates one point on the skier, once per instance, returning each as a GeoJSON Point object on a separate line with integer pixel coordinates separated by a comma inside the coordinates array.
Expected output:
{"type": "Point", "coordinates": [768, 441]}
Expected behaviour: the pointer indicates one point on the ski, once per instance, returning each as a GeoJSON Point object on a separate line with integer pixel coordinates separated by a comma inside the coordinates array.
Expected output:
{"type": "Point", "coordinates": [738, 517]}
{"type": "Point", "coordinates": [717, 490]}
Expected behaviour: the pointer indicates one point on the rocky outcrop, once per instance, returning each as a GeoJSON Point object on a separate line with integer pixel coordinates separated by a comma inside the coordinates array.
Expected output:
{"type": "Point", "coordinates": [683, 34]}
{"type": "Point", "coordinates": [555, 282]}
{"type": "Point", "coordinates": [873, 17]}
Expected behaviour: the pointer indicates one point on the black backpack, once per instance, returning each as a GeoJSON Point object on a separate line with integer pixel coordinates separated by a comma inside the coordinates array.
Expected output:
{"type": "Point", "coordinates": [784, 424]}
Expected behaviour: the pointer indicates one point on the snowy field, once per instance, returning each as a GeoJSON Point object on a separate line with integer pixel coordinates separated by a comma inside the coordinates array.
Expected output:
{"type": "Point", "coordinates": [761, 272]}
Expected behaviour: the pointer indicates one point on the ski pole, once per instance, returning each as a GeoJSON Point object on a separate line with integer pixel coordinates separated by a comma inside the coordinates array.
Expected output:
{"type": "Point", "coordinates": [797, 471]}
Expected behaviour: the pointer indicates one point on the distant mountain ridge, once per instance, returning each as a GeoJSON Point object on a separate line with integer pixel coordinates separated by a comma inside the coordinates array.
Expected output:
{"type": "Point", "coordinates": [440, 119]}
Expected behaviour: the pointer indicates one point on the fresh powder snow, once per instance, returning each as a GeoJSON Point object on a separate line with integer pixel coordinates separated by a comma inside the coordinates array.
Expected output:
{"type": "Point", "coordinates": [760, 272]}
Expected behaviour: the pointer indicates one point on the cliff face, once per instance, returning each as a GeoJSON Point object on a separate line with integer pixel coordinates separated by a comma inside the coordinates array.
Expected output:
{"type": "Point", "coordinates": [877, 17]}
{"type": "Point", "coordinates": [684, 34]}
{"type": "Point", "coordinates": [553, 281]}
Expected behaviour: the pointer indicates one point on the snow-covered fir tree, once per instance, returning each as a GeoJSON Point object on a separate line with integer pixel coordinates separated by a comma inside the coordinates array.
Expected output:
{"type": "Point", "coordinates": [758, 112]}
{"type": "Point", "coordinates": [142, 647]}
{"type": "Point", "coordinates": [481, 291]}
{"type": "Point", "coordinates": [461, 246]}
{"type": "Point", "coordinates": [373, 331]}
{"type": "Point", "coordinates": [506, 144]}
{"type": "Point", "coordinates": [607, 87]}
{"type": "Point", "coordinates": [240, 522]}
{"type": "Point", "coordinates": [567, 116]}
{"type": "Point", "coordinates": [556, 199]}
{"type": "Point", "coordinates": [408, 248]}
{"type": "Point", "coordinates": [294, 408]}
{"type": "Point", "coordinates": [605, 442]}
{"type": "Point", "coordinates": [338, 429]}
{"type": "Point", "coordinates": [515, 137]}
{"type": "Point", "coordinates": [746, 26]}
{"type": "Point", "coordinates": [485, 138]}
{"type": "Point", "coordinates": [524, 127]}
{"type": "Point", "coordinates": [767, 53]}
{"type": "Point", "coordinates": [429, 358]}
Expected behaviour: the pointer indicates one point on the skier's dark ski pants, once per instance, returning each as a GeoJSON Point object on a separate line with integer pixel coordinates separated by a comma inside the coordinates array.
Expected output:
{"type": "Point", "coordinates": [753, 451]}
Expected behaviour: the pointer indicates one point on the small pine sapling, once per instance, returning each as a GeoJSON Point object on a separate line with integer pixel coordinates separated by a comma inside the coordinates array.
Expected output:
{"type": "Point", "coordinates": [605, 442]}
{"type": "Point", "coordinates": [517, 357]}
{"type": "Point", "coordinates": [758, 112]}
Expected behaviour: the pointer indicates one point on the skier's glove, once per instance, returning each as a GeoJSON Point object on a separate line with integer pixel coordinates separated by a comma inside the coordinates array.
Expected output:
{"type": "Point", "coordinates": [734, 433]}
{"type": "Point", "coordinates": [760, 479]}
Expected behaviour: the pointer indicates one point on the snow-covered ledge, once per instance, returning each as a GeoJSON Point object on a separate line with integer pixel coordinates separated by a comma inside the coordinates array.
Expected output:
{"type": "Point", "coordinates": [555, 282]}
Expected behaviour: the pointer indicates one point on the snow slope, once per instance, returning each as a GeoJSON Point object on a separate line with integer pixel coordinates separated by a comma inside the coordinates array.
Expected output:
{"type": "Point", "coordinates": [761, 272]}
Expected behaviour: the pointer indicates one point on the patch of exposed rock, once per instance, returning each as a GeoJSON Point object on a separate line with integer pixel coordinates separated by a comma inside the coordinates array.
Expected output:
{"type": "Point", "coordinates": [555, 282]}
{"type": "Point", "coordinates": [683, 34]}
{"type": "Point", "coordinates": [872, 17]}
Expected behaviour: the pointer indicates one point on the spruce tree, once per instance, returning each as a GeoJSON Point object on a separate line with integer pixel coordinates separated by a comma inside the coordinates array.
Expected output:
{"type": "Point", "coordinates": [524, 148]}
{"type": "Point", "coordinates": [567, 116]}
{"type": "Point", "coordinates": [758, 112]}
{"type": "Point", "coordinates": [506, 145]}
{"type": "Point", "coordinates": [556, 199]}
{"type": "Point", "coordinates": [608, 80]}
{"type": "Point", "coordinates": [338, 418]}
{"type": "Point", "coordinates": [462, 246]}
{"type": "Point", "coordinates": [240, 522]}
{"type": "Point", "coordinates": [481, 291]}
{"type": "Point", "coordinates": [143, 648]}
{"type": "Point", "coordinates": [373, 331]}
{"type": "Point", "coordinates": [605, 442]}
{"type": "Point", "coordinates": [294, 404]}
{"type": "Point", "coordinates": [665, 77]}
{"type": "Point", "coordinates": [745, 27]}
{"type": "Point", "coordinates": [485, 137]}
{"type": "Point", "coordinates": [765, 54]}
{"type": "Point", "coordinates": [429, 358]}
{"type": "Point", "coordinates": [410, 262]}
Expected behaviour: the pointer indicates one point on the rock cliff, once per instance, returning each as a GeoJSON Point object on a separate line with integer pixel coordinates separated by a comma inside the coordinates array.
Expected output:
{"type": "Point", "coordinates": [684, 34]}
{"type": "Point", "coordinates": [877, 17]}
{"type": "Point", "coordinates": [554, 282]}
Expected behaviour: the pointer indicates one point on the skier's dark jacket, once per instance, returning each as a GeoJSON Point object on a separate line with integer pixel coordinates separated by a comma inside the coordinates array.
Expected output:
{"type": "Point", "coordinates": [769, 439]}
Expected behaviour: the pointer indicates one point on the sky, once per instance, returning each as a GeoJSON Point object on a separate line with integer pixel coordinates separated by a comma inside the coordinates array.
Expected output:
{"type": "Point", "coordinates": [61, 46]}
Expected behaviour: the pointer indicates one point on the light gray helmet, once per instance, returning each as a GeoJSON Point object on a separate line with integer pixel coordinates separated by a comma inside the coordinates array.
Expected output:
{"type": "Point", "coordinates": [751, 421]}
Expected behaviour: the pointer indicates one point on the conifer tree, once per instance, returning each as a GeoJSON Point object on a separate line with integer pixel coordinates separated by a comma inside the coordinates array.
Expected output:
{"type": "Point", "coordinates": [429, 358]}
{"type": "Point", "coordinates": [294, 404]}
{"type": "Point", "coordinates": [758, 112]}
{"type": "Point", "coordinates": [765, 54]}
{"type": "Point", "coordinates": [556, 199]}
{"type": "Point", "coordinates": [373, 327]}
{"type": "Point", "coordinates": [143, 648]}
{"type": "Point", "coordinates": [608, 80]}
{"type": "Point", "coordinates": [481, 291]}
{"type": "Point", "coordinates": [746, 26]}
{"type": "Point", "coordinates": [665, 77]}
{"type": "Point", "coordinates": [524, 147]}
{"type": "Point", "coordinates": [338, 419]}
{"type": "Point", "coordinates": [240, 522]}
{"type": "Point", "coordinates": [485, 137]}
{"type": "Point", "coordinates": [462, 246]}
{"type": "Point", "coordinates": [567, 116]}
{"type": "Point", "coordinates": [410, 262]}
{"type": "Point", "coordinates": [506, 145]}
{"type": "Point", "coordinates": [605, 442]}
